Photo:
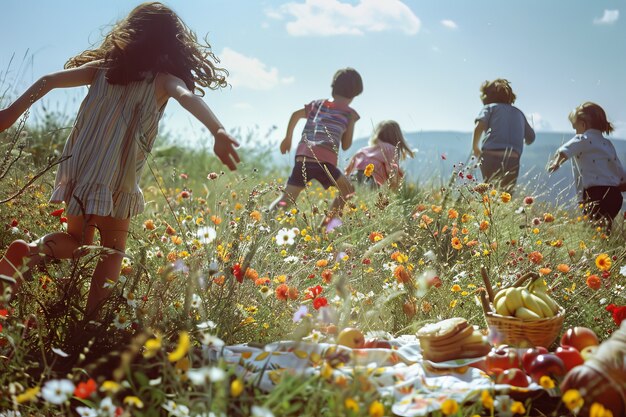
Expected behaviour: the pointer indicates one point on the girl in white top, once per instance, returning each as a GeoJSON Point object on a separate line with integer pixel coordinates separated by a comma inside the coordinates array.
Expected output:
{"type": "Point", "coordinates": [598, 173]}
{"type": "Point", "coordinates": [146, 59]}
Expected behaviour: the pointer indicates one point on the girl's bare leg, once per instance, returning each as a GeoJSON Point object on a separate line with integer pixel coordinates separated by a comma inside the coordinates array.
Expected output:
{"type": "Point", "coordinates": [58, 245]}
{"type": "Point", "coordinates": [287, 198]}
{"type": "Point", "coordinates": [113, 234]}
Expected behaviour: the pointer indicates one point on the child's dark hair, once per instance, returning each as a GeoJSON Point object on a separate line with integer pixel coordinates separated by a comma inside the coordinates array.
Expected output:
{"type": "Point", "coordinates": [152, 38]}
{"type": "Point", "coordinates": [389, 131]}
{"type": "Point", "coordinates": [497, 91]}
{"type": "Point", "coordinates": [347, 83]}
{"type": "Point", "coordinates": [593, 115]}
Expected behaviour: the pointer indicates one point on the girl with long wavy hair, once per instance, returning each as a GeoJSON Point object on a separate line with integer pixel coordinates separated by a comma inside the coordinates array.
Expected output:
{"type": "Point", "coordinates": [147, 58]}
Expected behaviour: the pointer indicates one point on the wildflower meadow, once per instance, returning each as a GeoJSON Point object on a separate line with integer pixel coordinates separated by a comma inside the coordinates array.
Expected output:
{"type": "Point", "coordinates": [226, 309]}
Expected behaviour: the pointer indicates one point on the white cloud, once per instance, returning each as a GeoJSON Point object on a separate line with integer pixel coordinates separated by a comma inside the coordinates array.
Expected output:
{"type": "Point", "coordinates": [249, 72]}
{"type": "Point", "coordinates": [450, 24]}
{"type": "Point", "coordinates": [334, 17]}
{"type": "Point", "coordinates": [608, 18]}
{"type": "Point", "coordinates": [537, 121]}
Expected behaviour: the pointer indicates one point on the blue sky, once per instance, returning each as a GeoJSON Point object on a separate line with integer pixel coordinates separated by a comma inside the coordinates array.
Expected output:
{"type": "Point", "coordinates": [422, 62]}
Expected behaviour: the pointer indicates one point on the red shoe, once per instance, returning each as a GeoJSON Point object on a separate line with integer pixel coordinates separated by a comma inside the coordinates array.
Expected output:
{"type": "Point", "coordinates": [13, 260]}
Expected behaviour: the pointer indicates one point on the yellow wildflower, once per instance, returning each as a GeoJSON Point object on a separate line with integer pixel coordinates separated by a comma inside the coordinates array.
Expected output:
{"type": "Point", "coordinates": [236, 387]}
{"type": "Point", "coordinates": [369, 170]}
{"type": "Point", "coordinates": [133, 401]}
{"type": "Point", "coordinates": [29, 395]}
{"type": "Point", "coordinates": [449, 407]}
{"type": "Point", "coordinates": [603, 262]}
{"type": "Point", "coordinates": [182, 348]}
{"type": "Point", "coordinates": [377, 409]}
{"type": "Point", "coordinates": [546, 382]}
{"type": "Point", "coordinates": [573, 400]}
{"type": "Point", "coordinates": [351, 404]}
{"type": "Point", "coordinates": [518, 408]}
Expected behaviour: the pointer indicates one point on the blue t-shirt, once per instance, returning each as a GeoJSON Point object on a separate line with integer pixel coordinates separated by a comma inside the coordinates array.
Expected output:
{"type": "Point", "coordinates": [594, 161]}
{"type": "Point", "coordinates": [507, 127]}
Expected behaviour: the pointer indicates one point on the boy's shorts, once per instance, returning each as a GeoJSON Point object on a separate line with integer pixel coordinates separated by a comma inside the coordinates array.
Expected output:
{"type": "Point", "coordinates": [310, 169]}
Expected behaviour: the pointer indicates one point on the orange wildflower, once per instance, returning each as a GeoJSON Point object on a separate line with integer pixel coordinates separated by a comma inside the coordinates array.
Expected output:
{"type": "Point", "coordinates": [563, 268]}
{"type": "Point", "coordinates": [375, 237]}
{"type": "Point", "coordinates": [593, 282]}
{"type": "Point", "coordinates": [453, 214]}
{"type": "Point", "coordinates": [456, 243]}
{"type": "Point", "coordinates": [282, 292]}
{"type": "Point", "coordinates": [251, 274]}
{"type": "Point", "coordinates": [484, 225]}
{"type": "Point", "coordinates": [401, 274]}
{"type": "Point", "coordinates": [255, 215]}
{"type": "Point", "coordinates": [321, 263]}
{"type": "Point", "coordinates": [535, 257]}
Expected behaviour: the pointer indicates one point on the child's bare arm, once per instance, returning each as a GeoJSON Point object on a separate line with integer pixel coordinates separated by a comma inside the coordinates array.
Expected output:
{"type": "Point", "coordinates": [225, 144]}
{"type": "Point", "coordinates": [62, 79]}
{"type": "Point", "coordinates": [558, 160]}
{"type": "Point", "coordinates": [285, 145]}
{"type": "Point", "coordinates": [479, 129]}
{"type": "Point", "coordinates": [346, 139]}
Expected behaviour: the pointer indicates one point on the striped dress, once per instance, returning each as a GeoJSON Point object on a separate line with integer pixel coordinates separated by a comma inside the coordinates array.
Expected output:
{"type": "Point", "coordinates": [107, 149]}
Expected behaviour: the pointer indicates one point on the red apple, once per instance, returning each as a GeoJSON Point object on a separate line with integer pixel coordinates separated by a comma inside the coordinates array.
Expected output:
{"type": "Point", "coordinates": [588, 352]}
{"type": "Point", "coordinates": [546, 364]}
{"type": "Point", "coordinates": [570, 356]}
{"type": "Point", "coordinates": [351, 337]}
{"type": "Point", "coordinates": [377, 344]}
{"type": "Point", "coordinates": [530, 354]}
{"type": "Point", "coordinates": [501, 358]}
{"type": "Point", "coordinates": [513, 376]}
{"type": "Point", "coordinates": [579, 337]}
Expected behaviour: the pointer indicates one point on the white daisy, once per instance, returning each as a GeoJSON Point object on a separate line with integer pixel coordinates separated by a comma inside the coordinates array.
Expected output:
{"type": "Point", "coordinates": [121, 321]}
{"type": "Point", "coordinates": [196, 301]}
{"type": "Point", "coordinates": [107, 408]}
{"type": "Point", "coordinates": [285, 237]}
{"type": "Point", "coordinates": [86, 412]}
{"type": "Point", "coordinates": [206, 234]}
{"type": "Point", "coordinates": [57, 391]}
{"type": "Point", "coordinates": [176, 410]}
{"type": "Point", "coordinates": [211, 340]}
{"type": "Point", "coordinates": [261, 412]}
{"type": "Point", "coordinates": [291, 259]}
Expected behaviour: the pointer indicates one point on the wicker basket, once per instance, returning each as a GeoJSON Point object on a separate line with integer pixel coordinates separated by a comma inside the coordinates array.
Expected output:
{"type": "Point", "coordinates": [520, 332]}
{"type": "Point", "coordinates": [526, 333]}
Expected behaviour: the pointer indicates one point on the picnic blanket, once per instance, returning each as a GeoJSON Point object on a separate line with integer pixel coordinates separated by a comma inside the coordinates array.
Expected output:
{"type": "Point", "coordinates": [418, 387]}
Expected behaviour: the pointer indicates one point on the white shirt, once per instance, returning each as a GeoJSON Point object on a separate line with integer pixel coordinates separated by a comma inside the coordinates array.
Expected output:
{"type": "Point", "coordinates": [594, 161]}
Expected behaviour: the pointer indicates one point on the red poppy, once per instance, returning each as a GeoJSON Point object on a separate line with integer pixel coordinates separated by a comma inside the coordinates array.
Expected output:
{"type": "Point", "coordinates": [327, 275]}
{"type": "Point", "coordinates": [618, 313]}
{"type": "Point", "coordinates": [313, 292]}
{"type": "Point", "coordinates": [85, 389]}
{"type": "Point", "coordinates": [320, 302]}
{"type": "Point", "coordinates": [57, 213]}
{"type": "Point", "coordinates": [236, 270]}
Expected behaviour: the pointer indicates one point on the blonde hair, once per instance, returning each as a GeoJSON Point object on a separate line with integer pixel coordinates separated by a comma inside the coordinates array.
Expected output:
{"type": "Point", "coordinates": [593, 115]}
{"type": "Point", "coordinates": [152, 38]}
{"type": "Point", "coordinates": [389, 131]}
{"type": "Point", "coordinates": [497, 91]}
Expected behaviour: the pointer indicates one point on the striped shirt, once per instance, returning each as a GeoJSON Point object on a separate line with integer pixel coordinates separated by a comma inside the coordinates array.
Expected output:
{"type": "Point", "coordinates": [114, 131]}
{"type": "Point", "coordinates": [325, 125]}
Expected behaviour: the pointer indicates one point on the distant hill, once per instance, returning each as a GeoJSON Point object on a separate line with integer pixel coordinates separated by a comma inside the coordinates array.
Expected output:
{"type": "Point", "coordinates": [430, 166]}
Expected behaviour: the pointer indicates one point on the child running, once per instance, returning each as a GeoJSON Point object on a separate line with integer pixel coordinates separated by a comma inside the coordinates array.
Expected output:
{"type": "Point", "coordinates": [146, 59]}
{"type": "Point", "coordinates": [506, 129]}
{"type": "Point", "coordinates": [329, 125]}
{"type": "Point", "coordinates": [598, 173]}
{"type": "Point", "coordinates": [386, 149]}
